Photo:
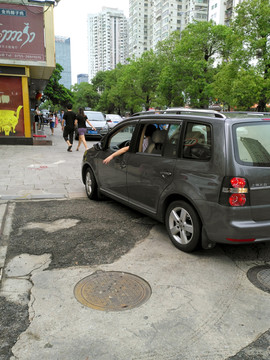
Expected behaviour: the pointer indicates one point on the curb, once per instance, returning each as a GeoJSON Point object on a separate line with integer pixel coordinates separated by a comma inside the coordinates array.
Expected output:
{"type": "Point", "coordinates": [33, 197]}
{"type": "Point", "coordinates": [3, 245]}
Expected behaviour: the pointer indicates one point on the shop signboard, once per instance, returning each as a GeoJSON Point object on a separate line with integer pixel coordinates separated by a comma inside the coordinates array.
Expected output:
{"type": "Point", "coordinates": [22, 33]}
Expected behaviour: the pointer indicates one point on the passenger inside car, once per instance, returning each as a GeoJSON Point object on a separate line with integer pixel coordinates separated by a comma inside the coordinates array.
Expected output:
{"type": "Point", "coordinates": [147, 136]}
{"type": "Point", "coordinates": [197, 144]}
{"type": "Point", "coordinates": [158, 138]}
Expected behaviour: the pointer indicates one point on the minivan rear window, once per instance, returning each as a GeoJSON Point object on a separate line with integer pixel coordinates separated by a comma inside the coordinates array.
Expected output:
{"type": "Point", "coordinates": [253, 143]}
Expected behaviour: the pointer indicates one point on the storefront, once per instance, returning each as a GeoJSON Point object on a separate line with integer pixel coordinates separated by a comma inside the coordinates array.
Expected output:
{"type": "Point", "coordinates": [26, 63]}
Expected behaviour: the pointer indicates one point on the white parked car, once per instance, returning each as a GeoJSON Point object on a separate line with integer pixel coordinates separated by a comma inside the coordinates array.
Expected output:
{"type": "Point", "coordinates": [113, 119]}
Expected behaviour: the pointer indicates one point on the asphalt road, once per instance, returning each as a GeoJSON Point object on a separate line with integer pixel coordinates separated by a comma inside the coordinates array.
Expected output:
{"type": "Point", "coordinates": [106, 231]}
{"type": "Point", "coordinates": [80, 233]}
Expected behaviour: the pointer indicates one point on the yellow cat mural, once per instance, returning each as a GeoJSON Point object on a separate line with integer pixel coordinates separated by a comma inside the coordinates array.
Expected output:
{"type": "Point", "coordinates": [9, 120]}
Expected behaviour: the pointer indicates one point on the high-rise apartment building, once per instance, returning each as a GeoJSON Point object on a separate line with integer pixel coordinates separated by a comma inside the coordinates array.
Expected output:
{"type": "Point", "coordinates": [230, 10]}
{"type": "Point", "coordinates": [222, 12]}
{"type": "Point", "coordinates": [140, 26]}
{"type": "Point", "coordinates": [82, 78]}
{"type": "Point", "coordinates": [217, 10]}
{"type": "Point", "coordinates": [107, 40]}
{"type": "Point", "coordinates": [153, 20]}
{"type": "Point", "coordinates": [62, 57]}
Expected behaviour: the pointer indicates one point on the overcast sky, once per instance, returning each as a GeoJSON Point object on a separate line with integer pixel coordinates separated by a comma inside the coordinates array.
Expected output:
{"type": "Point", "coordinates": [70, 20]}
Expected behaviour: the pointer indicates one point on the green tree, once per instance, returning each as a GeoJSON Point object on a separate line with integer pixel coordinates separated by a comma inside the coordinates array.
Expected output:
{"type": "Point", "coordinates": [196, 56]}
{"type": "Point", "coordinates": [170, 91]}
{"type": "Point", "coordinates": [100, 82]}
{"type": "Point", "coordinates": [111, 99]}
{"type": "Point", "coordinates": [85, 95]}
{"type": "Point", "coordinates": [246, 89]}
{"type": "Point", "coordinates": [148, 72]}
{"type": "Point", "coordinates": [222, 84]}
{"type": "Point", "coordinates": [252, 27]}
{"type": "Point", "coordinates": [129, 87]}
{"type": "Point", "coordinates": [57, 94]}
{"type": "Point", "coordinates": [139, 82]}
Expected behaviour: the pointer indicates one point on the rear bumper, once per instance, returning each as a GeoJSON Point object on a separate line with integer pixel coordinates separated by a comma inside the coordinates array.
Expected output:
{"type": "Point", "coordinates": [249, 231]}
{"type": "Point", "coordinates": [233, 225]}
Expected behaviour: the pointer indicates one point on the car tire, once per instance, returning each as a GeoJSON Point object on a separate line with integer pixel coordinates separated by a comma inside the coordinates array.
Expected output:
{"type": "Point", "coordinates": [183, 226]}
{"type": "Point", "coordinates": [91, 187]}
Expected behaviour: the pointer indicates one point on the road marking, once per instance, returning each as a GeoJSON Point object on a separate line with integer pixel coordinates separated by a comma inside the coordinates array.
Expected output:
{"type": "Point", "coordinates": [45, 166]}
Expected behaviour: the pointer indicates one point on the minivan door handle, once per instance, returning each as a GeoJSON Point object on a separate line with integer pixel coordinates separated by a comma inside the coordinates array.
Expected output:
{"type": "Point", "coordinates": [120, 162]}
{"type": "Point", "coordinates": [123, 165]}
{"type": "Point", "coordinates": [165, 174]}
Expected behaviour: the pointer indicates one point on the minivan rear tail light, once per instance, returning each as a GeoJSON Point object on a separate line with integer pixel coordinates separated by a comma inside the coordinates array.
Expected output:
{"type": "Point", "coordinates": [234, 192]}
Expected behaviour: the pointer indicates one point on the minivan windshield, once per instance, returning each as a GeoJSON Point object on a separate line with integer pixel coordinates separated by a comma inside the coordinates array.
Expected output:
{"type": "Point", "coordinates": [253, 143]}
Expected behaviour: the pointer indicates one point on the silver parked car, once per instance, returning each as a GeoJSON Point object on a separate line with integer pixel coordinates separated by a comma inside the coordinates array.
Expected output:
{"type": "Point", "coordinates": [207, 178]}
{"type": "Point", "coordinates": [97, 119]}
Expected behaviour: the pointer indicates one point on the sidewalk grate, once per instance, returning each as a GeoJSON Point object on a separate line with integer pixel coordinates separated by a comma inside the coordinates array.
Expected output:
{"type": "Point", "coordinates": [112, 291]}
{"type": "Point", "coordinates": [260, 277]}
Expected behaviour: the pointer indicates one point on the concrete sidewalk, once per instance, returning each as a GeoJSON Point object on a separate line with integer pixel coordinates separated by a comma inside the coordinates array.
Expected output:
{"type": "Point", "coordinates": [41, 172]}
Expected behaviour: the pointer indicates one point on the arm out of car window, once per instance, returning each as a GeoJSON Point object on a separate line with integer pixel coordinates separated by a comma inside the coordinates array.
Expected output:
{"type": "Point", "coordinates": [117, 153]}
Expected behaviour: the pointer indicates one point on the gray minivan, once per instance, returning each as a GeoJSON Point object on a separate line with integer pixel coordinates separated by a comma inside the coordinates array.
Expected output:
{"type": "Point", "coordinates": [206, 178]}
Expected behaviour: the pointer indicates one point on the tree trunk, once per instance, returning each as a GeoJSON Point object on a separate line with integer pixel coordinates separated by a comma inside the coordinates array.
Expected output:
{"type": "Point", "coordinates": [262, 105]}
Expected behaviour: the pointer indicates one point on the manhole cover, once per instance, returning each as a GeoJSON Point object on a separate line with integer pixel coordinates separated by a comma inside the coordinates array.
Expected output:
{"type": "Point", "coordinates": [112, 291]}
{"type": "Point", "coordinates": [260, 277]}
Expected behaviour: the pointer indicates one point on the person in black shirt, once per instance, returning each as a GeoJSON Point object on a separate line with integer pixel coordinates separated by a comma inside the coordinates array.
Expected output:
{"type": "Point", "coordinates": [68, 131]}
{"type": "Point", "coordinates": [81, 121]}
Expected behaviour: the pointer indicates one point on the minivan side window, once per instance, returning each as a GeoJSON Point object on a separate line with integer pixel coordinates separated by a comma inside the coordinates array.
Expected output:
{"type": "Point", "coordinates": [152, 138]}
{"type": "Point", "coordinates": [197, 142]}
{"type": "Point", "coordinates": [159, 139]}
{"type": "Point", "coordinates": [122, 137]}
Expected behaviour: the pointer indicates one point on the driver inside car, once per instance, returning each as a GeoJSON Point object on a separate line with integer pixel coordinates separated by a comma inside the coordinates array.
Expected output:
{"type": "Point", "coordinates": [150, 129]}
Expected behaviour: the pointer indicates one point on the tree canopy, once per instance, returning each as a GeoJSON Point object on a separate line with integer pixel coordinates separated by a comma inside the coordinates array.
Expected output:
{"type": "Point", "coordinates": [56, 93]}
{"type": "Point", "coordinates": [252, 26]}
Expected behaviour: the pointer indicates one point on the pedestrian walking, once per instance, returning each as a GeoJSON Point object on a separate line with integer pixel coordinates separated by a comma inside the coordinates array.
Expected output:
{"type": "Point", "coordinates": [61, 116]}
{"type": "Point", "coordinates": [52, 122]}
{"type": "Point", "coordinates": [68, 123]}
{"type": "Point", "coordinates": [37, 117]}
{"type": "Point", "coordinates": [56, 119]}
{"type": "Point", "coordinates": [81, 121]}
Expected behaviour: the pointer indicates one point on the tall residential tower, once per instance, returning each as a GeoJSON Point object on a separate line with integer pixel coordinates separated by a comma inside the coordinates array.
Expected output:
{"type": "Point", "coordinates": [107, 40]}
{"type": "Point", "coordinates": [62, 57]}
{"type": "Point", "coordinates": [154, 20]}
{"type": "Point", "coordinates": [222, 12]}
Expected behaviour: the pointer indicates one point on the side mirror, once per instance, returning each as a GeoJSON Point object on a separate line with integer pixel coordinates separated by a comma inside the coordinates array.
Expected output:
{"type": "Point", "coordinates": [98, 146]}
